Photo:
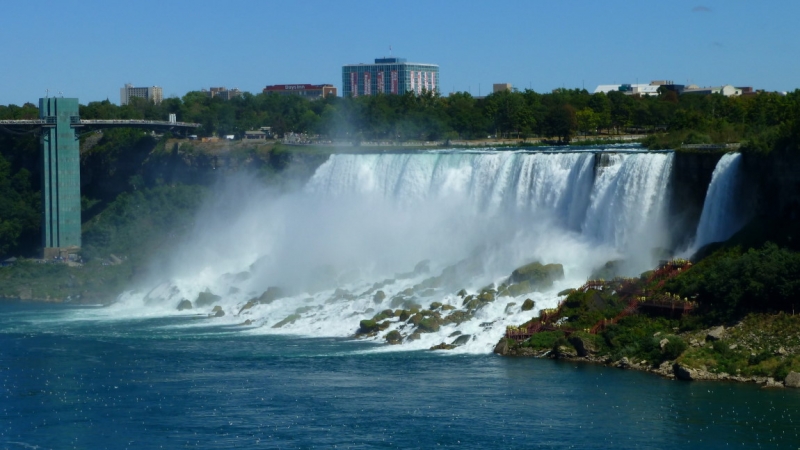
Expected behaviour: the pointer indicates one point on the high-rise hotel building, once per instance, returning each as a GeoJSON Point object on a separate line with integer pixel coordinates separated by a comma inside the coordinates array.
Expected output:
{"type": "Point", "coordinates": [153, 93]}
{"type": "Point", "coordinates": [389, 76]}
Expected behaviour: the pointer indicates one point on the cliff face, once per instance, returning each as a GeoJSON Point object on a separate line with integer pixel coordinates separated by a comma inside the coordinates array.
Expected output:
{"type": "Point", "coordinates": [774, 180]}
{"type": "Point", "coordinates": [691, 176]}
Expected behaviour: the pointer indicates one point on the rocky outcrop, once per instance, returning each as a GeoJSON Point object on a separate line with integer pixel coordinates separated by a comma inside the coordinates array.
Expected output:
{"type": "Point", "coordinates": [502, 347]}
{"type": "Point", "coordinates": [582, 345]}
{"type": "Point", "coordinates": [792, 380]}
{"type": "Point", "coordinates": [290, 319]}
{"type": "Point", "coordinates": [184, 304]}
{"type": "Point", "coordinates": [565, 351]}
{"type": "Point", "coordinates": [206, 298]}
{"type": "Point", "coordinates": [530, 278]}
{"type": "Point", "coordinates": [715, 333]}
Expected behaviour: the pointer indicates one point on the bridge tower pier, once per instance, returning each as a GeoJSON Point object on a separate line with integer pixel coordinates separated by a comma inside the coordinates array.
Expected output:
{"type": "Point", "coordinates": [61, 180]}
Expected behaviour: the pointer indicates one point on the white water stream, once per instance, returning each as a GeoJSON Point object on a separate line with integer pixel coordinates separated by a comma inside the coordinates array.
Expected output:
{"type": "Point", "coordinates": [720, 218]}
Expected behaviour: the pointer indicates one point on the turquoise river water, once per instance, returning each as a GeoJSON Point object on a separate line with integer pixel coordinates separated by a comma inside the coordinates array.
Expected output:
{"type": "Point", "coordinates": [72, 378]}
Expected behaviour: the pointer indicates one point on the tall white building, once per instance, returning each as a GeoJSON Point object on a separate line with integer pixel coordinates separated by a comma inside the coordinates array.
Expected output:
{"type": "Point", "coordinates": [154, 94]}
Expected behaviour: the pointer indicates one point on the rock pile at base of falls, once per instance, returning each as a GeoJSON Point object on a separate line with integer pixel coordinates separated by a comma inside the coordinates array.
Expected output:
{"type": "Point", "coordinates": [412, 319]}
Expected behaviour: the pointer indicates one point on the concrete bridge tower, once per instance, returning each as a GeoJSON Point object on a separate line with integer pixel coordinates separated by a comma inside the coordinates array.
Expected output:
{"type": "Point", "coordinates": [61, 180]}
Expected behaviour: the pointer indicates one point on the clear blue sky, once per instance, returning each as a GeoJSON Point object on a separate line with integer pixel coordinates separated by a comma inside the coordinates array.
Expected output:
{"type": "Point", "coordinates": [89, 49]}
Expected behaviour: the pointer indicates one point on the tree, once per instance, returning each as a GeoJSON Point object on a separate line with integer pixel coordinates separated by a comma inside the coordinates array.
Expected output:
{"type": "Point", "coordinates": [587, 120]}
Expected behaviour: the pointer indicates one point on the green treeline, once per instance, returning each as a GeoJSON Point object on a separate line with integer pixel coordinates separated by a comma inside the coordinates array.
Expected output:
{"type": "Point", "coordinates": [562, 114]}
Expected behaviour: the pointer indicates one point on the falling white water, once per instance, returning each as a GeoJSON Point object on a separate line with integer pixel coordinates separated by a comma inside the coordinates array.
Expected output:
{"type": "Point", "coordinates": [363, 222]}
{"type": "Point", "coordinates": [720, 218]}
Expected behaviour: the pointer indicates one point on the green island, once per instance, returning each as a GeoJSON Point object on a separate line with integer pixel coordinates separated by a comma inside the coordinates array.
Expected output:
{"type": "Point", "coordinates": [727, 313]}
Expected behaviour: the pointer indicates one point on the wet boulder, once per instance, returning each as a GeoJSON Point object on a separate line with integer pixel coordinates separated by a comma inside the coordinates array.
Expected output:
{"type": "Point", "coordinates": [528, 305]}
{"type": "Point", "coordinates": [429, 324]}
{"type": "Point", "coordinates": [423, 266]}
{"type": "Point", "coordinates": [206, 298]}
{"type": "Point", "coordinates": [487, 295]}
{"type": "Point", "coordinates": [378, 297]}
{"type": "Point", "coordinates": [184, 304]}
{"type": "Point", "coordinates": [288, 320]}
{"type": "Point", "coordinates": [368, 326]}
{"type": "Point", "coordinates": [443, 346]}
{"type": "Point", "coordinates": [608, 271]}
{"type": "Point", "coordinates": [537, 275]}
{"type": "Point", "coordinates": [461, 340]}
{"type": "Point", "coordinates": [502, 347]}
{"type": "Point", "coordinates": [217, 312]}
{"type": "Point", "coordinates": [457, 317]}
{"type": "Point", "coordinates": [394, 337]}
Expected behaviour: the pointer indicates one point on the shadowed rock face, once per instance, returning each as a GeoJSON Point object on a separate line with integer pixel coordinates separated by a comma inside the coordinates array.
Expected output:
{"type": "Point", "coordinates": [691, 175]}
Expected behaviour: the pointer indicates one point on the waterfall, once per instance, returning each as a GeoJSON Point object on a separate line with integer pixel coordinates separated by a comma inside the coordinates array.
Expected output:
{"type": "Point", "coordinates": [720, 218]}
{"type": "Point", "coordinates": [365, 223]}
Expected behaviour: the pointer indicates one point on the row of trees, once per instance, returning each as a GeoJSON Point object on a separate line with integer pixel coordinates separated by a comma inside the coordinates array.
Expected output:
{"type": "Point", "coordinates": [561, 114]}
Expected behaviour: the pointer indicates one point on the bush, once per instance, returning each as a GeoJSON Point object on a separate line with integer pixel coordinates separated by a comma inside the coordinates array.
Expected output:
{"type": "Point", "coordinates": [544, 340]}
{"type": "Point", "coordinates": [674, 348]}
{"type": "Point", "coordinates": [731, 283]}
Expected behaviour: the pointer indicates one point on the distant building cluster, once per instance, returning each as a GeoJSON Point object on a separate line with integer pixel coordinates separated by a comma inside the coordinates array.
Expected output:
{"type": "Point", "coordinates": [398, 76]}
{"type": "Point", "coordinates": [653, 87]}
{"type": "Point", "coordinates": [153, 93]}
{"type": "Point", "coordinates": [223, 93]}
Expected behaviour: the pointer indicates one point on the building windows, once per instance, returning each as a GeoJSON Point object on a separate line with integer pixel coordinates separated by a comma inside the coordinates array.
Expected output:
{"type": "Point", "coordinates": [389, 76]}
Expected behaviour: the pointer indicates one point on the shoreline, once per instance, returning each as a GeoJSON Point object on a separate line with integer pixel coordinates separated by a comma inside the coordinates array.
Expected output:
{"type": "Point", "coordinates": [668, 369]}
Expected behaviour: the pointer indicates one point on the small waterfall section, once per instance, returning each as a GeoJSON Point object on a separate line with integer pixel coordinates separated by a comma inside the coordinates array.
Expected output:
{"type": "Point", "coordinates": [720, 218]}
{"type": "Point", "coordinates": [379, 233]}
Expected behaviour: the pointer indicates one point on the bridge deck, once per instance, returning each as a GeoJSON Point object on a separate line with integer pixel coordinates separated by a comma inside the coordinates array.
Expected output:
{"type": "Point", "coordinates": [101, 123]}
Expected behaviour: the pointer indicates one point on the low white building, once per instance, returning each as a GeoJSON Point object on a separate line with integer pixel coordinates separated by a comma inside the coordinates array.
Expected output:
{"type": "Point", "coordinates": [726, 90]}
{"type": "Point", "coordinates": [630, 89]}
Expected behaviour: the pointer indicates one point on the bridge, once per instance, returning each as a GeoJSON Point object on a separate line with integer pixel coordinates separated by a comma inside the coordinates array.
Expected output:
{"type": "Point", "coordinates": [61, 187]}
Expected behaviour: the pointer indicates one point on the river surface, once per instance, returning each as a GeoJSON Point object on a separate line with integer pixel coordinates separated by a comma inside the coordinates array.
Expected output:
{"type": "Point", "coordinates": [73, 378]}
